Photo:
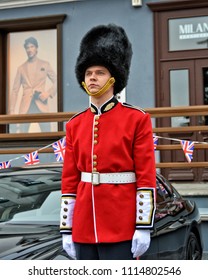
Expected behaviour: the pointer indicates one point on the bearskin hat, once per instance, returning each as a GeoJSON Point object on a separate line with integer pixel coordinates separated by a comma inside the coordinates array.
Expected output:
{"type": "Point", "coordinates": [108, 46]}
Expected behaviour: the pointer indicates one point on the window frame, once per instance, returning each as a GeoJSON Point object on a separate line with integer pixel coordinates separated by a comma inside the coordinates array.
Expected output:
{"type": "Point", "coordinates": [29, 24]}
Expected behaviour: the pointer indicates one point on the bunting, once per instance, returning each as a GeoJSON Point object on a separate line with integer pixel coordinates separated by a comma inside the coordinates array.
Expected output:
{"type": "Point", "coordinates": [155, 141]}
{"type": "Point", "coordinates": [32, 158]}
{"type": "Point", "coordinates": [60, 146]}
{"type": "Point", "coordinates": [188, 148]}
{"type": "Point", "coordinates": [59, 149]}
{"type": "Point", "coordinates": [5, 164]}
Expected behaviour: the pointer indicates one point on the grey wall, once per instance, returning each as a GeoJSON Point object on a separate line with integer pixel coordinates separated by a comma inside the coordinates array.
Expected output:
{"type": "Point", "coordinates": [81, 16]}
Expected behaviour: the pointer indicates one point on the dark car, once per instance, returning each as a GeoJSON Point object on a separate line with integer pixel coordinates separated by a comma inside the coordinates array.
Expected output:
{"type": "Point", "coordinates": [30, 211]}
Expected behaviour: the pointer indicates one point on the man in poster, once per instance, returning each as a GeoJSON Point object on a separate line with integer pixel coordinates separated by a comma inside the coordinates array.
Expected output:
{"type": "Point", "coordinates": [32, 75]}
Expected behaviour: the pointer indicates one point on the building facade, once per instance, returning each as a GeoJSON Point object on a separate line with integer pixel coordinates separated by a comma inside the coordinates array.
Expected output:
{"type": "Point", "coordinates": [169, 64]}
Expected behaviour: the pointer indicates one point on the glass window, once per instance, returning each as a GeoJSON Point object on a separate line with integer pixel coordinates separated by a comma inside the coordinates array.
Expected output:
{"type": "Point", "coordinates": [205, 80]}
{"type": "Point", "coordinates": [188, 33]}
{"type": "Point", "coordinates": [179, 94]}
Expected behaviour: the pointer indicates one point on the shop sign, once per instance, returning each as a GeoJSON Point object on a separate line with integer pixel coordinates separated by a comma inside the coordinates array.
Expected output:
{"type": "Point", "coordinates": [188, 33]}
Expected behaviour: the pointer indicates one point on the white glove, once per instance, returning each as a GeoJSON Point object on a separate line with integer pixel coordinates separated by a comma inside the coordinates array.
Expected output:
{"type": "Point", "coordinates": [68, 245]}
{"type": "Point", "coordinates": [140, 242]}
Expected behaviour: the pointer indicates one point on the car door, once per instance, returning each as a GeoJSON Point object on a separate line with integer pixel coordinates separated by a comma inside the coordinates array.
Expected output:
{"type": "Point", "coordinates": [170, 222]}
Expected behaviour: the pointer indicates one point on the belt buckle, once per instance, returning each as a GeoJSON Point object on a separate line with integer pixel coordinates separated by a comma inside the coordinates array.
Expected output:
{"type": "Point", "coordinates": [95, 178]}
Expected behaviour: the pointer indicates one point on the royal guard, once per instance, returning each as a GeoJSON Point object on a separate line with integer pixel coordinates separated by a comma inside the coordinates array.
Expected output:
{"type": "Point", "coordinates": [109, 175]}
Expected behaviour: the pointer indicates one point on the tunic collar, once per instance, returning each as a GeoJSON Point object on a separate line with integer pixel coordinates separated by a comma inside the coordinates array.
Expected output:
{"type": "Point", "coordinates": [107, 106]}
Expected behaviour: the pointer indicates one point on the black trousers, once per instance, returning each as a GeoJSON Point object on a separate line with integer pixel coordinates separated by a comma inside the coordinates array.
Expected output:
{"type": "Point", "coordinates": [104, 251]}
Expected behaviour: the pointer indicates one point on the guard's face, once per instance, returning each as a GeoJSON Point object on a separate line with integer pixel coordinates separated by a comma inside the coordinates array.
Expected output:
{"type": "Point", "coordinates": [31, 50]}
{"type": "Point", "coordinates": [96, 77]}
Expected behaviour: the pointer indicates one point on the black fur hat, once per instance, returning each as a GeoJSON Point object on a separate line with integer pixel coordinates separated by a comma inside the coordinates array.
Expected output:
{"type": "Point", "coordinates": [108, 46]}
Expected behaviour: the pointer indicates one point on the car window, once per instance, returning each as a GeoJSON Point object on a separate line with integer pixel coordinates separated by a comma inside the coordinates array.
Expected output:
{"type": "Point", "coordinates": [162, 201]}
{"type": "Point", "coordinates": [166, 183]}
{"type": "Point", "coordinates": [162, 193]}
{"type": "Point", "coordinates": [168, 201]}
{"type": "Point", "coordinates": [28, 194]}
{"type": "Point", "coordinates": [48, 211]}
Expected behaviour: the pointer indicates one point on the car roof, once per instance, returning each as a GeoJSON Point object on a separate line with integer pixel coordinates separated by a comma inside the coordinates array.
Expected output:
{"type": "Point", "coordinates": [25, 168]}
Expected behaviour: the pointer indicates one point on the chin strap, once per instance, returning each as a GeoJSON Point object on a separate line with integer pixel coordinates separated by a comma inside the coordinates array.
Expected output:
{"type": "Point", "coordinates": [109, 83]}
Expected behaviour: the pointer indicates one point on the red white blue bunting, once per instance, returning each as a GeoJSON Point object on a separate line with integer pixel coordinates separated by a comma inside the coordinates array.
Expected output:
{"type": "Point", "coordinates": [188, 148]}
{"type": "Point", "coordinates": [5, 164]}
{"type": "Point", "coordinates": [32, 158]}
{"type": "Point", "coordinates": [60, 146]}
{"type": "Point", "coordinates": [59, 149]}
{"type": "Point", "coordinates": [155, 141]}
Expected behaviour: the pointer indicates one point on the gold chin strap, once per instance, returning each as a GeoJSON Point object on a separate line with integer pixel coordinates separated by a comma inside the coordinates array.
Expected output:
{"type": "Point", "coordinates": [109, 83]}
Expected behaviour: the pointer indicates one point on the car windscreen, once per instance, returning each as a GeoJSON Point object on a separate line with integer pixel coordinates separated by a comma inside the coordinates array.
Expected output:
{"type": "Point", "coordinates": [30, 196]}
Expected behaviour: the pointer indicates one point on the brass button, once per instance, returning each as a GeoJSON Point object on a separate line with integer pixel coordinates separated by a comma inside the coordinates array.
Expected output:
{"type": "Point", "coordinates": [94, 169]}
{"type": "Point", "coordinates": [141, 196]}
{"type": "Point", "coordinates": [95, 142]}
{"type": "Point", "coordinates": [141, 203]}
{"type": "Point", "coordinates": [97, 117]}
{"type": "Point", "coordinates": [94, 163]}
{"type": "Point", "coordinates": [96, 122]}
{"type": "Point", "coordinates": [94, 156]}
{"type": "Point", "coordinates": [96, 129]}
{"type": "Point", "coordinates": [95, 135]}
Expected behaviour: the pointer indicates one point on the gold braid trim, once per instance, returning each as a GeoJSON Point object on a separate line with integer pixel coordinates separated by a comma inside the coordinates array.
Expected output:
{"type": "Point", "coordinates": [109, 83]}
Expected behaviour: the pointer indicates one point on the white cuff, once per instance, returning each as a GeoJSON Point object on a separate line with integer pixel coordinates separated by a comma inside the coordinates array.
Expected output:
{"type": "Point", "coordinates": [67, 211]}
{"type": "Point", "coordinates": [145, 208]}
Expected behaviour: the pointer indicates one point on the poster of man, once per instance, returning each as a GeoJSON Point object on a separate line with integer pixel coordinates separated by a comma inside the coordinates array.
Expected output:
{"type": "Point", "coordinates": [32, 77]}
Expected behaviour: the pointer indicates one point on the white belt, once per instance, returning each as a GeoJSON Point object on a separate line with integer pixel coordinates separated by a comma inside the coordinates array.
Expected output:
{"type": "Point", "coordinates": [97, 178]}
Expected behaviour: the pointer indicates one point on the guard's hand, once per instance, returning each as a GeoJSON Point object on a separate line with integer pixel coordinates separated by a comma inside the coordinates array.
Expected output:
{"type": "Point", "coordinates": [68, 245]}
{"type": "Point", "coordinates": [140, 242]}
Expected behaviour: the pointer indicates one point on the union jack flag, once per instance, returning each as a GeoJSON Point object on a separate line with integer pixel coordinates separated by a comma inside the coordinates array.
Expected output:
{"type": "Point", "coordinates": [32, 158]}
{"type": "Point", "coordinates": [155, 141]}
{"type": "Point", "coordinates": [5, 164]}
{"type": "Point", "coordinates": [188, 148]}
{"type": "Point", "coordinates": [59, 149]}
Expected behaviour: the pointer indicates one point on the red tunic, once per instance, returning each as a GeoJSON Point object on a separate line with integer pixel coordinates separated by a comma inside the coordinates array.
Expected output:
{"type": "Point", "coordinates": [118, 140]}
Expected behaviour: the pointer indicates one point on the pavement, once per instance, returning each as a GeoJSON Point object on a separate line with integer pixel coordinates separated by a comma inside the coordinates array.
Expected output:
{"type": "Point", "coordinates": [191, 189]}
{"type": "Point", "coordinates": [205, 256]}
